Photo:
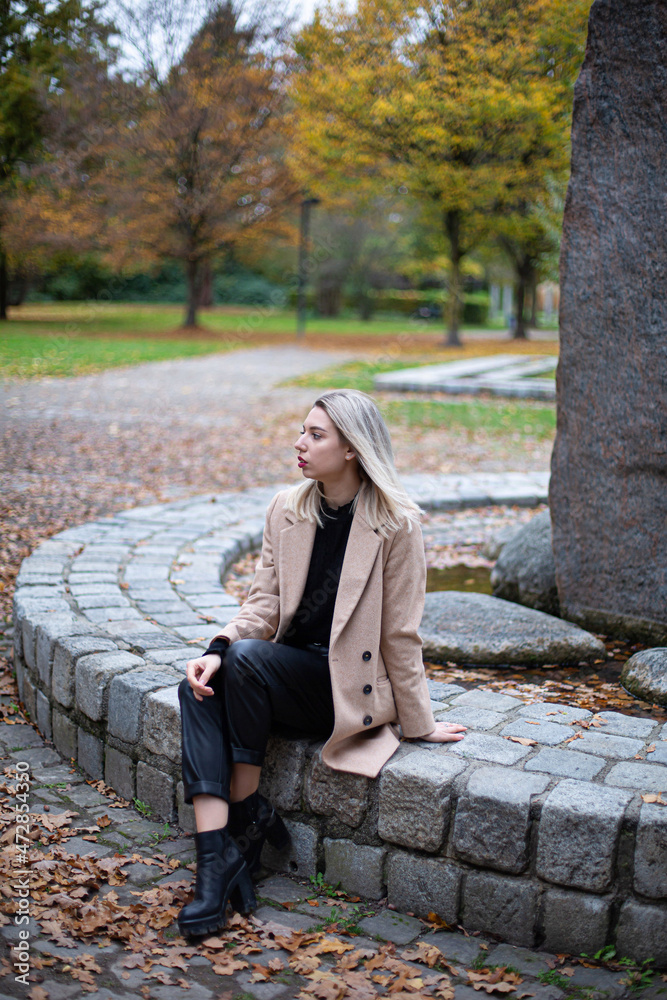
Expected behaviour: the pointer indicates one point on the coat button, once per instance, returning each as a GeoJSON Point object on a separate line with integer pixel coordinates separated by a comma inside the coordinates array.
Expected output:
{"type": "Point", "coordinates": [368, 688]}
{"type": "Point", "coordinates": [368, 719]}
{"type": "Point", "coordinates": [366, 655]}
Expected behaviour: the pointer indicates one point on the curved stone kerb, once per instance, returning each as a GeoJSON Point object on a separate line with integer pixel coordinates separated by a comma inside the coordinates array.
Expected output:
{"type": "Point", "coordinates": [106, 617]}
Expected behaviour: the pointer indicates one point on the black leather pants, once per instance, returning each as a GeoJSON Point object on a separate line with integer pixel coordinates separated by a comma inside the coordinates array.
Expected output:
{"type": "Point", "coordinates": [261, 687]}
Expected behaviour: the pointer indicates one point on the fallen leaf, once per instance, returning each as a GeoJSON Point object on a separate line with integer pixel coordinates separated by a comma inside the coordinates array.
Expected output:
{"type": "Point", "coordinates": [523, 740]}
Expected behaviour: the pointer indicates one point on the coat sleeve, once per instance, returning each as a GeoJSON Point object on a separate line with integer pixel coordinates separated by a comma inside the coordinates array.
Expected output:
{"type": "Point", "coordinates": [403, 593]}
{"type": "Point", "coordinates": [258, 616]}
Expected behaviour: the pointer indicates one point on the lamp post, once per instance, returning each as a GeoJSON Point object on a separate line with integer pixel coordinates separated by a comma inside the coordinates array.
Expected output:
{"type": "Point", "coordinates": [303, 252]}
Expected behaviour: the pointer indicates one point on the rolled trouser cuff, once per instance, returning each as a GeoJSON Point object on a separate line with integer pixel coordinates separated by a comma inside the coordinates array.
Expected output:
{"type": "Point", "coordinates": [204, 788]}
{"type": "Point", "coordinates": [240, 755]}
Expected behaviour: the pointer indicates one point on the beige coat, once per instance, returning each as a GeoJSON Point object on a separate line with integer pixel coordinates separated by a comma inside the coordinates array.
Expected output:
{"type": "Point", "coordinates": [378, 611]}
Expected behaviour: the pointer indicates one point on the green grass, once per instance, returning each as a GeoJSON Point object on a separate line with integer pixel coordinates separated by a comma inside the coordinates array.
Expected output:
{"type": "Point", "coordinates": [117, 317]}
{"type": "Point", "coordinates": [33, 356]}
{"type": "Point", "coordinates": [494, 417]}
{"type": "Point", "coordinates": [60, 339]}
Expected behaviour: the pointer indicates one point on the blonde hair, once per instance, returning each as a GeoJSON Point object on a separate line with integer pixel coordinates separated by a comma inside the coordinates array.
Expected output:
{"type": "Point", "coordinates": [359, 423]}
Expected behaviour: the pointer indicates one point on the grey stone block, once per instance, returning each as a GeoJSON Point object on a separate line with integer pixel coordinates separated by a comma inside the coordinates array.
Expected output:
{"type": "Point", "coordinates": [282, 772]}
{"type": "Point", "coordinates": [91, 754]}
{"type": "Point", "coordinates": [489, 700]}
{"type": "Point", "coordinates": [660, 754]}
{"type": "Point", "coordinates": [566, 764]}
{"type": "Point", "coordinates": [29, 638]}
{"type": "Point", "coordinates": [19, 667]}
{"type": "Point", "coordinates": [64, 734]}
{"type": "Point", "coordinates": [547, 733]}
{"type": "Point", "coordinates": [440, 691]}
{"type": "Point", "coordinates": [641, 932]}
{"type": "Point", "coordinates": [44, 715]}
{"type": "Point", "coordinates": [66, 651]}
{"type": "Point", "coordinates": [553, 712]}
{"type": "Point", "coordinates": [474, 718]}
{"type": "Point", "coordinates": [497, 904]}
{"type": "Point", "coordinates": [494, 749]}
{"type": "Point", "coordinates": [526, 961]}
{"type": "Point", "coordinates": [647, 777]}
{"type": "Point", "coordinates": [423, 885]}
{"type": "Point", "coordinates": [28, 606]}
{"type": "Point", "coordinates": [606, 746]}
{"type": "Point", "coordinates": [47, 633]}
{"type": "Point", "coordinates": [492, 822]}
{"type": "Point", "coordinates": [93, 674]}
{"type": "Point", "coordinates": [357, 867]}
{"type": "Point", "coordinates": [396, 927]}
{"type": "Point", "coordinates": [104, 598]}
{"type": "Point", "coordinates": [415, 799]}
{"type": "Point", "coordinates": [37, 757]}
{"type": "Point", "coordinates": [16, 737]}
{"type": "Point", "coordinates": [300, 857]}
{"type": "Point", "coordinates": [617, 724]}
{"type": "Point", "coordinates": [456, 947]}
{"type": "Point", "coordinates": [578, 834]}
{"type": "Point", "coordinates": [126, 693]}
{"type": "Point", "coordinates": [575, 922]}
{"type": "Point", "coordinates": [336, 793]}
{"type": "Point", "coordinates": [156, 789]}
{"type": "Point", "coordinates": [651, 852]}
{"type": "Point", "coordinates": [163, 655]}
{"type": "Point", "coordinates": [17, 642]}
{"type": "Point", "coordinates": [162, 723]}
{"type": "Point", "coordinates": [186, 812]}
{"type": "Point", "coordinates": [119, 773]}
{"type": "Point", "coordinates": [29, 697]}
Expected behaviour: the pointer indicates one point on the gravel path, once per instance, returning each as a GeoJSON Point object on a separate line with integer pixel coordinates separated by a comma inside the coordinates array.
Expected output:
{"type": "Point", "coordinates": [212, 390]}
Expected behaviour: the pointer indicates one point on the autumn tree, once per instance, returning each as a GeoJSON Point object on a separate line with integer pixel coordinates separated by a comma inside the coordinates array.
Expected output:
{"type": "Point", "coordinates": [199, 162]}
{"type": "Point", "coordinates": [463, 100]}
{"type": "Point", "coordinates": [39, 43]}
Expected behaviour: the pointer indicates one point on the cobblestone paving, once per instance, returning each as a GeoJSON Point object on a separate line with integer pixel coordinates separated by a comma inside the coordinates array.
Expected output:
{"type": "Point", "coordinates": [353, 930]}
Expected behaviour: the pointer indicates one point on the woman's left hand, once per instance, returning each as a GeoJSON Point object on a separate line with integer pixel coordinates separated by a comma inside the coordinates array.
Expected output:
{"type": "Point", "coordinates": [445, 732]}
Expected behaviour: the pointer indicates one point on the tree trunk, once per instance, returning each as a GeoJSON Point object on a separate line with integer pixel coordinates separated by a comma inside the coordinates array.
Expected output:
{"type": "Point", "coordinates": [365, 303]}
{"type": "Point", "coordinates": [193, 276]}
{"type": "Point", "coordinates": [520, 325]}
{"type": "Point", "coordinates": [533, 302]}
{"type": "Point", "coordinates": [453, 229]}
{"type": "Point", "coordinates": [3, 285]}
{"type": "Point", "coordinates": [525, 274]}
{"type": "Point", "coordinates": [206, 286]}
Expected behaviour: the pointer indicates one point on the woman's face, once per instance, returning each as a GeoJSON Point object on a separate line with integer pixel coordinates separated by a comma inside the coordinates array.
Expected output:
{"type": "Point", "coordinates": [321, 452]}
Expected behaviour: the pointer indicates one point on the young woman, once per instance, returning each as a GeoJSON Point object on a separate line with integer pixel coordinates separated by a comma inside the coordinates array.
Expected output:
{"type": "Point", "coordinates": [326, 646]}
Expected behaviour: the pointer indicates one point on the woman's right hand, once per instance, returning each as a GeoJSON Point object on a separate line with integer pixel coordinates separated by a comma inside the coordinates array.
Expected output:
{"type": "Point", "coordinates": [199, 673]}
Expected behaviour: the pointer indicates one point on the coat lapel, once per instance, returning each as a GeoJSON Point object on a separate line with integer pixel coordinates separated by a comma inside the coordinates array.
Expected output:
{"type": "Point", "coordinates": [296, 546]}
{"type": "Point", "coordinates": [360, 554]}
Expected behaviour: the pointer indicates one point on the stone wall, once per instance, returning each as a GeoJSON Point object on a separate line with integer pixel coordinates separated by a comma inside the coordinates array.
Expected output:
{"type": "Point", "coordinates": [514, 840]}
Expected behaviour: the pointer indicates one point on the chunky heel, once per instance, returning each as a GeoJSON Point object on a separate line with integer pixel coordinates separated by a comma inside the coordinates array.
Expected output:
{"type": "Point", "coordinates": [222, 874]}
{"type": "Point", "coordinates": [243, 897]}
{"type": "Point", "coordinates": [277, 833]}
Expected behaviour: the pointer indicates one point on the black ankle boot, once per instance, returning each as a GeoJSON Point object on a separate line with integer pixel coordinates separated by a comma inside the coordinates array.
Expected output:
{"type": "Point", "coordinates": [221, 873]}
{"type": "Point", "coordinates": [251, 822]}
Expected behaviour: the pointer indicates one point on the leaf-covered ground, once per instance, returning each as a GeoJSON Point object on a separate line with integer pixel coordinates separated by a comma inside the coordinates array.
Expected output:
{"type": "Point", "coordinates": [76, 449]}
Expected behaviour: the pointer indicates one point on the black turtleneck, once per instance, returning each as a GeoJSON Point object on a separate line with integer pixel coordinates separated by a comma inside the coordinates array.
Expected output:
{"type": "Point", "coordinates": [313, 618]}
